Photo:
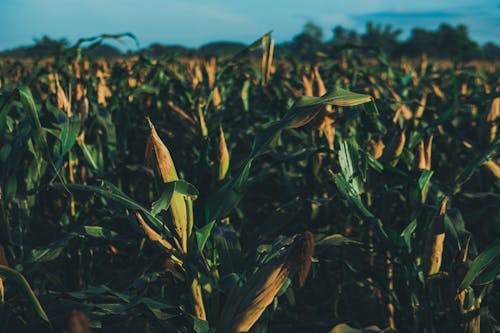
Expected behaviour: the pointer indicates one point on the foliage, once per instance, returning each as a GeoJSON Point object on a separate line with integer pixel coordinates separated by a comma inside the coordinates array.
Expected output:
{"type": "Point", "coordinates": [344, 193]}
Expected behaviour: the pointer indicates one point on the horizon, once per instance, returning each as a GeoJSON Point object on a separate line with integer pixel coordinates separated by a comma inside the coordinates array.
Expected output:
{"type": "Point", "coordinates": [195, 23]}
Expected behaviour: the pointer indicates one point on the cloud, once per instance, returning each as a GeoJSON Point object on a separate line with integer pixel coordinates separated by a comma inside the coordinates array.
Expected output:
{"type": "Point", "coordinates": [391, 15]}
{"type": "Point", "coordinates": [482, 22]}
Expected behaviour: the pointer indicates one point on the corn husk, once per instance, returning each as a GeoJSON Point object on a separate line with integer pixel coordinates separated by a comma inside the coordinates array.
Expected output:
{"type": "Point", "coordinates": [424, 156]}
{"type": "Point", "coordinates": [168, 173]}
{"type": "Point", "coordinates": [78, 322]}
{"type": "Point", "coordinates": [197, 297]}
{"type": "Point", "coordinates": [245, 304]}
{"type": "Point", "coordinates": [433, 251]}
{"type": "Point", "coordinates": [328, 130]}
{"type": "Point", "coordinates": [493, 168]}
{"type": "Point", "coordinates": [216, 98]}
{"type": "Point", "coordinates": [319, 81]}
{"type": "Point", "coordinates": [307, 84]}
{"type": "Point", "coordinates": [153, 235]}
{"type": "Point", "coordinates": [223, 156]}
{"type": "Point", "coordinates": [490, 125]}
{"type": "Point", "coordinates": [211, 69]}
{"type": "Point", "coordinates": [62, 101]}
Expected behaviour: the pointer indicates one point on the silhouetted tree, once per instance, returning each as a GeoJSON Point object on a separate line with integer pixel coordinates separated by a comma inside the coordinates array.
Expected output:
{"type": "Point", "coordinates": [342, 36]}
{"type": "Point", "coordinates": [385, 38]}
{"type": "Point", "coordinates": [446, 42]}
{"type": "Point", "coordinates": [491, 51]}
{"type": "Point", "coordinates": [420, 41]}
{"type": "Point", "coordinates": [104, 51]}
{"type": "Point", "coordinates": [218, 49]}
{"type": "Point", "coordinates": [158, 50]}
{"type": "Point", "coordinates": [306, 44]}
{"type": "Point", "coordinates": [46, 46]}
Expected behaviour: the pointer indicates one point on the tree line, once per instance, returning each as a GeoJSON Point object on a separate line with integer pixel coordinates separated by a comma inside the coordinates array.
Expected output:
{"type": "Point", "coordinates": [446, 42]}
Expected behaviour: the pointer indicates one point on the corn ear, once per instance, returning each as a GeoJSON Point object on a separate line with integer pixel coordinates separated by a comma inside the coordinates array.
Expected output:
{"type": "Point", "coordinates": [223, 156]}
{"type": "Point", "coordinates": [493, 168]}
{"type": "Point", "coordinates": [245, 304]}
{"type": "Point", "coordinates": [62, 101]}
{"type": "Point", "coordinates": [162, 154]}
{"type": "Point", "coordinates": [424, 155]}
{"type": "Point", "coordinates": [201, 117]}
{"type": "Point", "coordinates": [103, 91]}
{"type": "Point", "coordinates": [211, 69]}
{"type": "Point", "coordinates": [433, 252]}
{"type": "Point", "coordinates": [490, 126]}
{"type": "Point", "coordinates": [167, 170]}
{"type": "Point", "coordinates": [267, 59]}
{"type": "Point", "coordinates": [197, 298]}
{"type": "Point", "coordinates": [421, 106]}
{"type": "Point", "coordinates": [216, 98]}
{"type": "Point", "coordinates": [319, 81]}
{"type": "Point", "coordinates": [307, 84]}
{"type": "Point", "coordinates": [421, 156]}
{"type": "Point", "coordinates": [438, 92]}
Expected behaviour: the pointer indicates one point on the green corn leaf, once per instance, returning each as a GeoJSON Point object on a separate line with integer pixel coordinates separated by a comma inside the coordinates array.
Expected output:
{"type": "Point", "coordinates": [109, 191]}
{"type": "Point", "coordinates": [484, 260]}
{"type": "Point", "coordinates": [203, 234]}
{"type": "Point", "coordinates": [70, 129]}
{"type": "Point", "coordinates": [229, 195]}
{"type": "Point", "coordinates": [20, 282]}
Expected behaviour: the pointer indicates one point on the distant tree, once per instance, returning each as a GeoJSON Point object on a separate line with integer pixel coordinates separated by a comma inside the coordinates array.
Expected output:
{"type": "Point", "coordinates": [306, 44]}
{"type": "Point", "coordinates": [385, 38]}
{"type": "Point", "coordinates": [46, 46]}
{"type": "Point", "coordinates": [420, 41]}
{"type": "Point", "coordinates": [446, 42]}
{"type": "Point", "coordinates": [218, 49]}
{"type": "Point", "coordinates": [158, 50]}
{"type": "Point", "coordinates": [18, 52]}
{"type": "Point", "coordinates": [491, 51]}
{"type": "Point", "coordinates": [455, 43]}
{"type": "Point", "coordinates": [342, 36]}
{"type": "Point", "coordinates": [104, 51]}
{"type": "Point", "coordinates": [43, 47]}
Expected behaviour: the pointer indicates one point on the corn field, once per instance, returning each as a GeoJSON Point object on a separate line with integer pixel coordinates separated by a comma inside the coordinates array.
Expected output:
{"type": "Point", "coordinates": [249, 193]}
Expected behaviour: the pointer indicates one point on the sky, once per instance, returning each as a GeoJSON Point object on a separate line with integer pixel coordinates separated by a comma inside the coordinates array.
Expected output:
{"type": "Point", "coordinates": [196, 22]}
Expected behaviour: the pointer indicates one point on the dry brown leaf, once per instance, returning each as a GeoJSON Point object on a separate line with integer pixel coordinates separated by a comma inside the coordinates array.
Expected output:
{"type": "Point", "coordinates": [153, 235]}
{"type": "Point", "coordinates": [307, 85]}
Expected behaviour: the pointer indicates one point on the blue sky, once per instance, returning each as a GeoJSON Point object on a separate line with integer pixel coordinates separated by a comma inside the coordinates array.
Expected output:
{"type": "Point", "coordinates": [195, 22]}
